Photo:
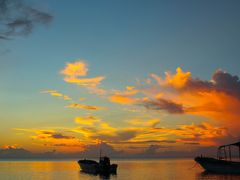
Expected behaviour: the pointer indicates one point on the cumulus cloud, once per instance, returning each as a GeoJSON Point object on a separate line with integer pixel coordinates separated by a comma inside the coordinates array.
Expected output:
{"type": "Point", "coordinates": [76, 73]}
{"type": "Point", "coordinates": [18, 19]}
{"type": "Point", "coordinates": [180, 93]}
{"type": "Point", "coordinates": [75, 69]}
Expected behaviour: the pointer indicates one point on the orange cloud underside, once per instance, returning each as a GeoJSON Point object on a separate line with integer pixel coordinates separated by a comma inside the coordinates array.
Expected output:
{"type": "Point", "coordinates": [122, 99]}
{"type": "Point", "coordinates": [176, 94]}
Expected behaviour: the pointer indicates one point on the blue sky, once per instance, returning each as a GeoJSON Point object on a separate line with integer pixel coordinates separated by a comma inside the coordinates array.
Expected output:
{"type": "Point", "coordinates": [121, 40]}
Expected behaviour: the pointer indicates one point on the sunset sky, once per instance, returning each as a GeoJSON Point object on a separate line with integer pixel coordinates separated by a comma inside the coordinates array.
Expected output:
{"type": "Point", "coordinates": [140, 76]}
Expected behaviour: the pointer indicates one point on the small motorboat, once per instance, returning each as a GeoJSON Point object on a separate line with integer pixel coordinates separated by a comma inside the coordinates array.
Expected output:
{"type": "Point", "coordinates": [223, 163]}
{"type": "Point", "coordinates": [101, 167]}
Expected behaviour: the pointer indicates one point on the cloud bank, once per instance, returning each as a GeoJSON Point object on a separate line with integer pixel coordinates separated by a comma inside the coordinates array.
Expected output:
{"type": "Point", "coordinates": [217, 99]}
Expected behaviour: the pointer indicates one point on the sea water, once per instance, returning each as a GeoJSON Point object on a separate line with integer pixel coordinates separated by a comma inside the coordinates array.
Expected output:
{"type": "Point", "coordinates": [179, 169]}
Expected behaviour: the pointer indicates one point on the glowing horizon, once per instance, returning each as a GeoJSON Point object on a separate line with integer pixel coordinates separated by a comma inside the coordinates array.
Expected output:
{"type": "Point", "coordinates": [162, 77]}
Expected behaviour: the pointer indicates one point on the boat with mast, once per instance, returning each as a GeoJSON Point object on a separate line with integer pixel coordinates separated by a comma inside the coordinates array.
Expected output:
{"type": "Point", "coordinates": [102, 167]}
{"type": "Point", "coordinates": [224, 162]}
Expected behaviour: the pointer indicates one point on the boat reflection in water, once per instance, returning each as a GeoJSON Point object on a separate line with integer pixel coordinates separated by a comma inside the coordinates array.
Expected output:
{"type": "Point", "coordinates": [211, 175]}
{"type": "Point", "coordinates": [223, 164]}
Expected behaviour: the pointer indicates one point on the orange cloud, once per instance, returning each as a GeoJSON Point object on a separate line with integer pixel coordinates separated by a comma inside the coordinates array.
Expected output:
{"type": "Point", "coordinates": [11, 146]}
{"type": "Point", "coordinates": [141, 132]}
{"type": "Point", "coordinates": [85, 81]}
{"type": "Point", "coordinates": [76, 73]}
{"type": "Point", "coordinates": [87, 120]}
{"type": "Point", "coordinates": [53, 138]}
{"type": "Point", "coordinates": [121, 99]}
{"type": "Point", "coordinates": [57, 94]}
{"type": "Point", "coordinates": [217, 99]}
{"type": "Point", "coordinates": [204, 133]}
{"type": "Point", "coordinates": [177, 80]}
{"type": "Point", "coordinates": [124, 97]}
{"type": "Point", "coordinates": [75, 69]}
{"type": "Point", "coordinates": [87, 107]}
{"type": "Point", "coordinates": [145, 123]}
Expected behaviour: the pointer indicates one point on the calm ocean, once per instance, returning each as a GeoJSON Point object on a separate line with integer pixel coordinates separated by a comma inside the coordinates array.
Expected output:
{"type": "Point", "coordinates": [127, 169]}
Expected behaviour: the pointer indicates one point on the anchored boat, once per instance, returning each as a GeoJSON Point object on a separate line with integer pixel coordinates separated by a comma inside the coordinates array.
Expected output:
{"type": "Point", "coordinates": [101, 167]}
{"type": "Point", "coordinates": [223, 163]}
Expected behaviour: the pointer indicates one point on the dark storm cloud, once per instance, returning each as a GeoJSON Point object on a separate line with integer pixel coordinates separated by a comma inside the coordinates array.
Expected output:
{"type": "Point", "coordinates": [18, 18]}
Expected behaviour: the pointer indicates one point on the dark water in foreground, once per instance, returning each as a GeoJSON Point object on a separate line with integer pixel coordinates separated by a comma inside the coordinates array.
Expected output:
{"type": "Point", "coordinates": [128, 169]}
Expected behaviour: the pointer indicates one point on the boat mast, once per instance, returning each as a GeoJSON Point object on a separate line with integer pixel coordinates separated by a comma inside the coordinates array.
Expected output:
{"type": "Point", "coordinates": [230, 154]}
{"type": "Point", "coordinates": [239, 151]}
{"type": "Point", "coordinates": [100, 149]}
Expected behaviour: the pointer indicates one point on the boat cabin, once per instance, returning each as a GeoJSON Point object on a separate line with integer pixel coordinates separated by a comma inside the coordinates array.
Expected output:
{"type": "Point", "coordinates": [225, 151]}
{"type": "Point", "coordinates": [104, 161]}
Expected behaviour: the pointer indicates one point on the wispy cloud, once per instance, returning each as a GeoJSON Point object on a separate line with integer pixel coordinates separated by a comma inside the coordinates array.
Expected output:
{"type": "Point", "coordinates": [53, 137]}
{"type": "Point", "coordinates": [124, 97]}
{"type": "Point", "coordinates": [86, 107]}
{"type": "Point", "coordinates": [19, 18]}
{"type": "Point", "coordinates": [163, 104]}
{"type": "Point", "coordinates": [146, 123]}
{"type": "Point", "coordinates": [87, 120]}
{"type": "Point", "coordinates": [56, 94]}
{"type": "Point", "coordinates": [140, 132]}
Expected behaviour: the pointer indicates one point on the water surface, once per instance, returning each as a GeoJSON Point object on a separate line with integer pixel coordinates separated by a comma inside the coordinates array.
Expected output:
{"type": "Point", "coordinates": [127, 169]}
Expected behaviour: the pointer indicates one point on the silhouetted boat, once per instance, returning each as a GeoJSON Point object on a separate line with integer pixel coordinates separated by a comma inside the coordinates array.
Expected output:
{"type": "Point", "coordinates": [101, 167]}
{"type": "Point", "coordinates": [223, 163]}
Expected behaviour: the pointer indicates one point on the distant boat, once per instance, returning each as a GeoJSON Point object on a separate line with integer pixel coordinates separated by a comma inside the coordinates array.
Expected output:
{"type": "Point", "coordinates": [101, 167]}
{"type": "Point", "coordinates": [223, 163]}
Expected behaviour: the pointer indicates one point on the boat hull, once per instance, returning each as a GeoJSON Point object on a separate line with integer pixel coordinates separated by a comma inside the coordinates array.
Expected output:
{"type": "Point", "coordinates": [219, 166]}
{"type": "Point", "coordinates": [93, 167]}
{"type": "Point", "coordinates": [89, 166]}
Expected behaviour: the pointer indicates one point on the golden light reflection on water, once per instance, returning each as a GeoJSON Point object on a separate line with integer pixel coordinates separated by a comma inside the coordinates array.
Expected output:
{"type": "Point", "coordinates": [128, 169]}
